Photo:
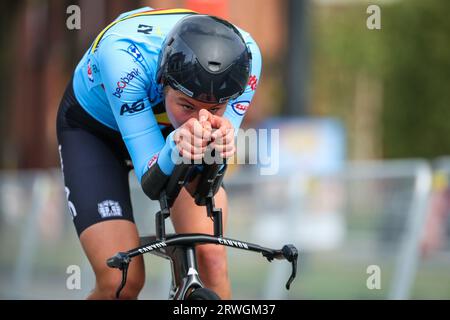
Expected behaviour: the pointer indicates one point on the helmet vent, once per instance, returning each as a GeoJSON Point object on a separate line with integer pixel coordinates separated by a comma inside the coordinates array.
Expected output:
{"type": "Point", "coordinates": [214, 66]}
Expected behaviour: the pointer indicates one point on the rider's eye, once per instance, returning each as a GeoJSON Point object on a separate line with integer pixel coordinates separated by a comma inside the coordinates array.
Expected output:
{"type": "Point", "coordinates": [214, 110]}
{"type": "Point", "coordinates": [187, 108]}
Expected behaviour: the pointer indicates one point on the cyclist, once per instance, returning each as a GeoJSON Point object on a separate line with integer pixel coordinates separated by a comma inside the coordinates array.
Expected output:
{"type": "Point", "coordinates": [154, 85]}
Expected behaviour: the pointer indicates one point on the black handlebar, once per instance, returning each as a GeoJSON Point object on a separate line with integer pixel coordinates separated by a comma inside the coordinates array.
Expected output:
{"type": "Point", "coordinates": [211, 177]}
{"type": "Point", "coordinates": [209, 182]}
{"type": "Point", "coordinates": [177, 180]}
{"type": "Point", "coordinates": [122, 259]}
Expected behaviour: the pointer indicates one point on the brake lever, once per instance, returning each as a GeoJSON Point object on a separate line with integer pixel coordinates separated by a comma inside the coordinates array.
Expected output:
{"type": "Point", "coordinates": [120, 261]}
{"type": "Point", "coordinates": [290, 253]}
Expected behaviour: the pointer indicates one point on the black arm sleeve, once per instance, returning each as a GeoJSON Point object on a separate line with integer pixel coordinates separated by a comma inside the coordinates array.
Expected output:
{"type": "Point", "coordinates": [153, 181]}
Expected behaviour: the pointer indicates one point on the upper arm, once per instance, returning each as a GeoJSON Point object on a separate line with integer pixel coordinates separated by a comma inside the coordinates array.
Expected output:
{"type": "Point", "coordinates": [126, 82]}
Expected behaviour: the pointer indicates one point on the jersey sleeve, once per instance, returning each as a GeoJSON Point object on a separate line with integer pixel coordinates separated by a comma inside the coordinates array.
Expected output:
{"type": "Point", "coordinates": [236, 108]}
{"type": "Point", "coordinates": [126, 81]}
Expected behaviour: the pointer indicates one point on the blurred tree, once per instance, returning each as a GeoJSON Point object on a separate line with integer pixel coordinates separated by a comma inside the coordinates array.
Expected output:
{"type": "Point", "coordinates": [297, 58]}
{"type": "Point", "coordinates": [416, 114]}
{"type": "Point", "coordinates": [9, 10]}
{"type": "Point", "coordinates": [40, 55]}
{"type": "Point", "coordinates": [346, 74]}
{"type": "Point", "coordinates": [390, 86]}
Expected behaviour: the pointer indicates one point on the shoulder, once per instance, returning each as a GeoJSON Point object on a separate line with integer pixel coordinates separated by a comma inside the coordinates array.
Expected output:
{"type": "Point", "coordinates": [252, 46]}
{"type": "Point", "coordinates": [247, 37]}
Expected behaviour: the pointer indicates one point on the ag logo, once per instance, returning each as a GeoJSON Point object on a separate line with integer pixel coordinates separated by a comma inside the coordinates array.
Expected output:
{"type": "Point", "coordinates": [240, 107]}
{"type": "Point", "coordinates": [134, 108]}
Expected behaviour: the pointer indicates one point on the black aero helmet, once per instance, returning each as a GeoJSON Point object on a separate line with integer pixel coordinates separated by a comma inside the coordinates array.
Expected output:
{"type": "Point", "coordinates": [206, 58]}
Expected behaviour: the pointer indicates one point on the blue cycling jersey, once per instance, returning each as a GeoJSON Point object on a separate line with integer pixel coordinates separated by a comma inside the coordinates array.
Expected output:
{"type": "Point", "coordinates": [115, 82]}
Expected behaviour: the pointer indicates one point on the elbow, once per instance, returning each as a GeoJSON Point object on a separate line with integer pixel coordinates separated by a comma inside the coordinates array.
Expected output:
{"type": "Point", "coordinates": [153, 182]}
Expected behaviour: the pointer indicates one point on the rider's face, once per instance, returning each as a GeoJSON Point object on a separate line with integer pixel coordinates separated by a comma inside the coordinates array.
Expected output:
{"type": "Point", "coordinates": [180, 107]}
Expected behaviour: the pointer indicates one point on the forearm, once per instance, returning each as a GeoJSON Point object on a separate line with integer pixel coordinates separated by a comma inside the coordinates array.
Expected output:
{"type": "Point", "coordinates": [157, 172]}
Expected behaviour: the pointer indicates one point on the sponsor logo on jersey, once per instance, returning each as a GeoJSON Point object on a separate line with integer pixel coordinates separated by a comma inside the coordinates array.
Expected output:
{"type": "Point", "coordinates": [124, 81]}
{"type": "Point", "coordinates": [134, 51]}
{"type": "Point", "coordinates": [252, 82]}
{"type": "Point", "coordinates": [153, 160]}
{"type": "Point", "coordinates": [146, 29]}
{"type": "Point", "coordinates": [109, 208]}
{"type": "Point", "coordinates": [91, 69]}
{"type": "Point", "coordinates": [136, 107]}
{"type": "Point", "coordinates": [240, 107]}
{"type": "Point", "coordinates": [72, 209]}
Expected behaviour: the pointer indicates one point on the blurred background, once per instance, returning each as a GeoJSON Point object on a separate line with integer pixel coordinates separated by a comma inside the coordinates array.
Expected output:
{"type": "Point", "coordinates": [363, 181]}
